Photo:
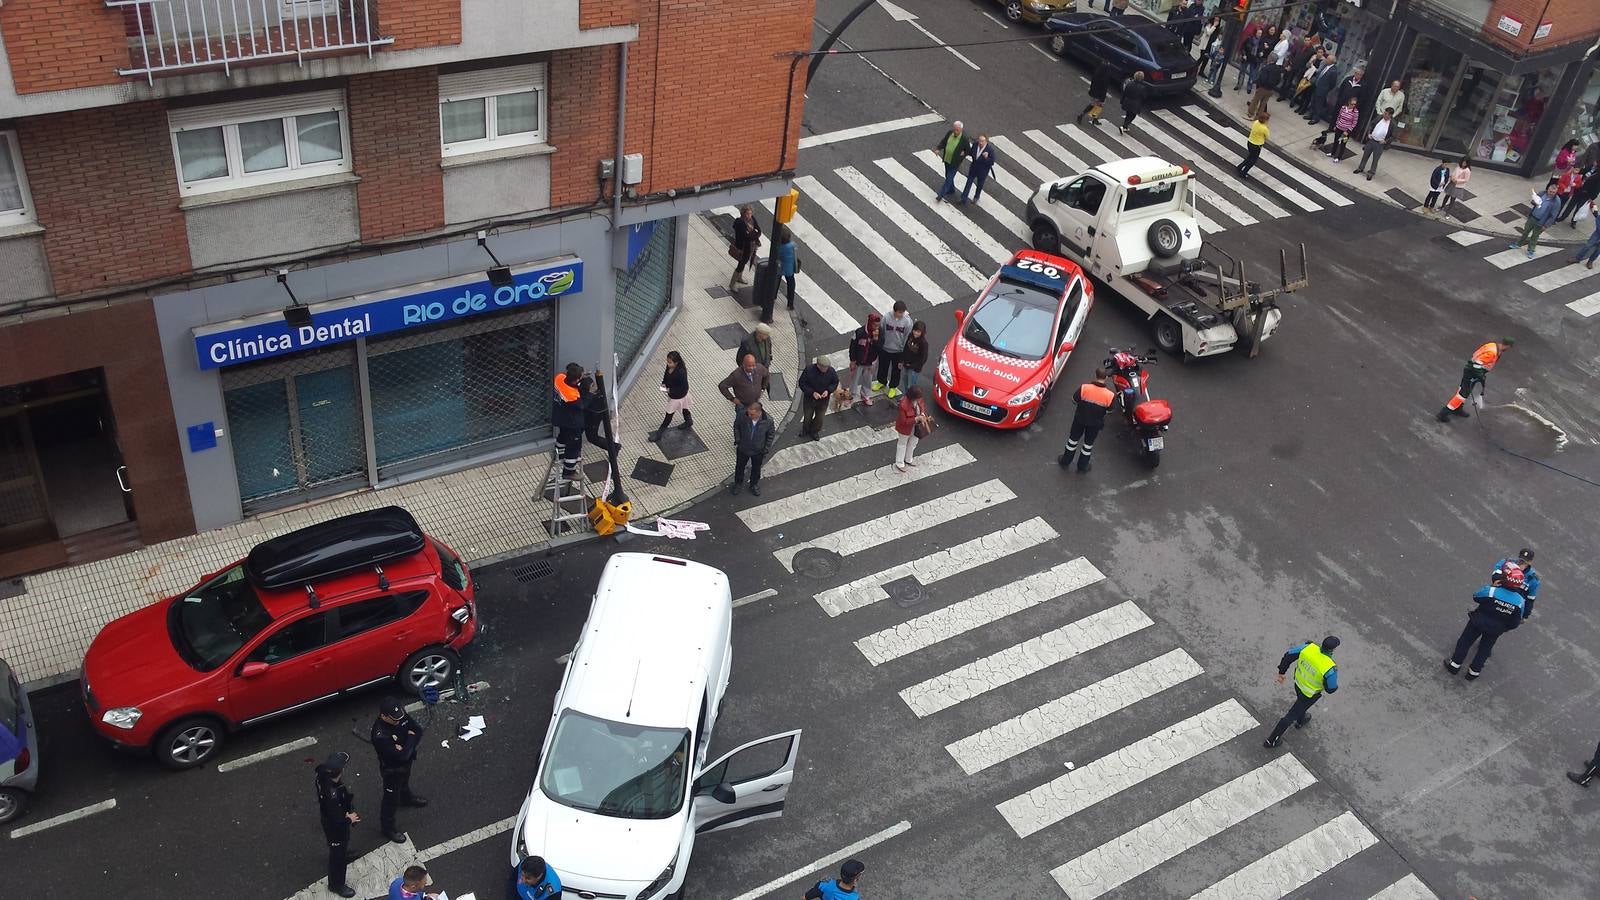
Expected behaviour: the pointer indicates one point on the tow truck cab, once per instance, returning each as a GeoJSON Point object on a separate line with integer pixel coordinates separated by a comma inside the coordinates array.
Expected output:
{"type": "Point", "coordinates": [1120, 218]}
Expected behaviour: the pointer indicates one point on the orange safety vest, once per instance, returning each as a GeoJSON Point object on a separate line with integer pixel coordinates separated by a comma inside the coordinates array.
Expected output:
{"type": "Point", "coordinates": [1486, 356]}
{"type": "Point", "coordinates": [567, 392]}
{"type": "Point", "coordinates": [1098, 394]}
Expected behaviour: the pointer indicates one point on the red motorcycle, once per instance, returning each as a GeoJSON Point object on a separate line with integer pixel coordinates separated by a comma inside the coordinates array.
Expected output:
{"type": "Point", "coordinates": [1148, 419]}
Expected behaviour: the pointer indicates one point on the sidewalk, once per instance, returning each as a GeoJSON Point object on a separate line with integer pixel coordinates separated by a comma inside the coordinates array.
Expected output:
{"type": "Point", "coordinates": [487, 513]}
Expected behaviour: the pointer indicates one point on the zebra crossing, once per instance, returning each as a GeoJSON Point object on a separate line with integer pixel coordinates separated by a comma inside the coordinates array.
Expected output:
{"type": "Point", "coordinates": [1566, 274]}
{"type": "Point", "coordinates": [929, 253]}
{"type": "Point", "coordinates": [994, 528]}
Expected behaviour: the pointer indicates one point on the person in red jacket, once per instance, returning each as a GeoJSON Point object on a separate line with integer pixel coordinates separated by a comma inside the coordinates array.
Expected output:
{"type": "Point", "coordinates": [865, 346]}
{"type": "Point", "coordinates": [910, 418]}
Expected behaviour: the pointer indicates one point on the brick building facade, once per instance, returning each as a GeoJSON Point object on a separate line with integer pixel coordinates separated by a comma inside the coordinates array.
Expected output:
{"type": "Point", "coordinates": [151, 383]}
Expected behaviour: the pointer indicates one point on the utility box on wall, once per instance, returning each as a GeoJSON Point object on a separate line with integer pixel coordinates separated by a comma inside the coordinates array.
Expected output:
{"type": "Point", "coordinates": [633, 168]}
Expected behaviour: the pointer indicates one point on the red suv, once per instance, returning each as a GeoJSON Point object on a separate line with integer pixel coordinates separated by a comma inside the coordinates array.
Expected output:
{"type": "Point", "coordinates": [307, 616]}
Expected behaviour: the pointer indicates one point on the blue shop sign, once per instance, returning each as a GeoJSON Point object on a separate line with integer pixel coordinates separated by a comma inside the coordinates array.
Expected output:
{"type": "Point", "coordinates": [333, 323]}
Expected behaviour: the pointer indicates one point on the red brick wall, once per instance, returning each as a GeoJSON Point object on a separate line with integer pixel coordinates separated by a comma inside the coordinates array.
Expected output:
{"type": "Point", "coordinates": [106, 192]}
{"type": "Point", "coordinates": [600, 13]}
{"type": "Point", "coordinates": [583, 112]}
{"type": "Point", "coordinates": [1570, 20]}
{"type": "Point", "coordinates": [394, 140]}
{"type": "Point", "coordinates": [54, 45]}
{"type": "Point", "coordinates": [420, 23]}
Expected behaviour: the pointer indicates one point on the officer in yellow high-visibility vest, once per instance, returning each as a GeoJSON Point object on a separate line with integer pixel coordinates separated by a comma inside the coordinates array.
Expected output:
{"type": "Point", "coordinates": [1314, 672]}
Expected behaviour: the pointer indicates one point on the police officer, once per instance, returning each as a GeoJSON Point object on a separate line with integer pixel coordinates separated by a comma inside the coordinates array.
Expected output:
{"type": "Point", "coordinates": [336, 805]}
{"type": "Point", "coordinates": [841, 888]}
{"type": "Point", "coordinates": [395, 736]}
{"type": "Point", "coordinates": [1530, 578]}
{"type": "Point", "coordinates": [1501, 607]}
{"type": "Point", "coordinates": [1314, 672]}
{"type": "Point", "coordinates": [1093, 399]}
{"type": "Point", "coordinates": [537, 881]}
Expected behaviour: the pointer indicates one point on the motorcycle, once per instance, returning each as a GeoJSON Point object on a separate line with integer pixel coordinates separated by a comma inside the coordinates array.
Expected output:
{"type": "Point", "coordinates": [1148, 419]}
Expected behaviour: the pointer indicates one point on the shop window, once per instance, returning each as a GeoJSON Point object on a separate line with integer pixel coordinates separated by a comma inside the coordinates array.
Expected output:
{"type": "Point", "coordinates": [1584, 125]}
{"type": "Point", "coordinates": [255, 142]}
{"type": "Point", "coordinates": [1430, 74]}
{"type": "Point", "coordinates": [15, 205]}
{"type": "Point", "coordinates": [492, 108]}
{"type": "Point", "coordinates": [646, 292]}
{"type": "Point", "coordinates": [1518, 103]}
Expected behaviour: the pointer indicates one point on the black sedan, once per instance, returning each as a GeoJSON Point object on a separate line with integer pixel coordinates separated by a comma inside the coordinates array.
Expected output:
{"type": "Point", "coordinates": [1139, 45]}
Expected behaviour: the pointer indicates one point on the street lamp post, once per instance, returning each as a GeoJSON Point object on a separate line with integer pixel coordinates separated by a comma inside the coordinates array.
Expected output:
{"type": "Point", "coordinates": [1231, 26]}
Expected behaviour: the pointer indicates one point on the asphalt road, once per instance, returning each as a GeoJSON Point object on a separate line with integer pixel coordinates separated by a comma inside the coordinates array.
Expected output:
{"type": "Point", "coordinates": [1305, 492]}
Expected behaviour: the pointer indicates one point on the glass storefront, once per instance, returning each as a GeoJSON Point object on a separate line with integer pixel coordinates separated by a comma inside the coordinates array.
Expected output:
{"type": "Point", "coordinates": [1583, 125]}
{"type": "Point", "coordinates": [1459, 107]}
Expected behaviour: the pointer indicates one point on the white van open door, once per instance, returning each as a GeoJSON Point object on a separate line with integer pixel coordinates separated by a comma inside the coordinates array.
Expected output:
{"type": "Point", "coordinates": [746, 785]}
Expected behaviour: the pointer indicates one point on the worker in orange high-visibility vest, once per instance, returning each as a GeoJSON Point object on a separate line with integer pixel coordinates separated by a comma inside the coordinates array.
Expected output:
{"type": "Point", "coordinates": [1478, 367]}
{"type": "Point", "coordinates": [1093, 399]}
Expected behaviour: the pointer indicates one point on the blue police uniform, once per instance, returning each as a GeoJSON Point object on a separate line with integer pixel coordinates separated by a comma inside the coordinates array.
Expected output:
{"type": "Point", "coordinates": [830, 890]}
{"type": "Point", "coordinates": [546, 889]}
{"type": "Point", "coordinates": [1499, 610]}
{"type": "Point", "coordinates": [1530, 581]}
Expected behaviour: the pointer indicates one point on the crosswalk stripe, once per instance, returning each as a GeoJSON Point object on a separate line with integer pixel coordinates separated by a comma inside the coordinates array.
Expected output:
{"type": "Point", "coordinates": [852, 489]}
{"type": "Point", "coordinates": [1468, 238]}
{"type": "Point", "coordinates": [1037, 169]}
{"type": "Point", "coordinates": [1207, 224]}
{"type": "Point", "coordinates": [1309, 180]}
{"type": "Point", "coordinates": [1570, 273]}
{"type": "Point", "coordinates": [1075, 791]}
{"type": "Point", "coordinates": [1033, 655]}
{"type": "Point", "coordinates": [1408, 888]}
{"type": "Point", "coordinates": [1141, 849]}
{"type": "Point", "coordinates": [903, 268]}
{"type": "Point", "coordinates": [1059, 152]}
{"type": "Point", "coordinates": [1260, 174]}
{"type": "Point", "coordinates": [935, 567]}
{"type": "Point", "coordinates": [1204, 191]}
{"type": "Point", "coordinates": [1296, 863]}
{"type": "Point", "coordinates": [832, 257]}
{"type": "Point", "coordinates": [811, 294]}
{"type": "Point", "coordinates": [796, 456]}
{"type": "Point", "coordinates": [961, 223]}
{"type": "Point", "coordinates": [1586, 306]}
{"type": "Point", "coordinates": [998, 178]}
{"type": "Point", "coordinates": [958, 618]}
{"type": "Point", "coordinates": [909, 520]}
{"type": "Point", "coordinates": [860, 131]}
{"type": "Point", "coordinates": [913, 227]}
{"type": "Point", "coordinates": [1516, 256]}
{"type": "Point", "coordinates": [1064, 715]}
{"type": "Point", "coordinates": [1221, 175]}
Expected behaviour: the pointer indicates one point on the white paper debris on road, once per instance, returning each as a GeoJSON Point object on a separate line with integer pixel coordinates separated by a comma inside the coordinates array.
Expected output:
{"type": "Point", "coordinates": [474, 727]}
{"type": "Point", "coordinates": [671, 528]}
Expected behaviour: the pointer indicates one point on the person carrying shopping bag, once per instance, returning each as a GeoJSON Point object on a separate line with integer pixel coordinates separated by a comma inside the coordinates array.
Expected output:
{"type": "Point", "coordinates": [912, 423]}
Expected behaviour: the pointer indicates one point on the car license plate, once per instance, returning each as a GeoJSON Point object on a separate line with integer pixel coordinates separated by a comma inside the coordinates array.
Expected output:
{"type": "Point", "coordinates": [1154, 443]}
{"type": "Point", "coordinates": [973, 407]}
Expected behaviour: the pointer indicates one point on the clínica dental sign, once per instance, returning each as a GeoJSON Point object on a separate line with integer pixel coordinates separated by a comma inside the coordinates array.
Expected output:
{"type": "Point", "coordinates": [415, 306]}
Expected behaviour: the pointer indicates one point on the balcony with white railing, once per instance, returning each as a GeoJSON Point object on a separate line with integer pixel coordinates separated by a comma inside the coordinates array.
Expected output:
{"type": "Point", "coordinates": [172, 37]}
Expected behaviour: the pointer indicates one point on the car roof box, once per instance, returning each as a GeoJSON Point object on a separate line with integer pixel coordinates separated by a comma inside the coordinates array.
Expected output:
{"type": "Point", "coordinates": [335, 547]}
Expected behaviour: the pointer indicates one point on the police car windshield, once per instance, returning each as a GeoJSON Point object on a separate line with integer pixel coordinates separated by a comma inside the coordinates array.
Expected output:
{"type": "Point", "coordinates": [216, 619]}
{"type": "Point", "coordinates": [616, 769]}
{"type": "Point", "coordinates": [1014, 320]}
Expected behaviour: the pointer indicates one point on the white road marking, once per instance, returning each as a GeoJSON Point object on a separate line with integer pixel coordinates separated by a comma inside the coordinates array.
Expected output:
{"type": "Point", "coordinates": [874, 242]}
{"type": "Point", "coordinates": [1571, 273]}
{"type": "Point", "coordinates": [1516, 256]}
{"type": "Point", "coordinates": [1311, 181]}
{"type": "Point", "coordinates": [1586, 306]}
{"type": "Point", "coordinates": [1073, 792]}
{"type": "Point", "coordinates": [268, 753]}
{"type": "Point", "coordinates": [861, 131]}
{"type": "Point", "coordinates": [1207, 224]}
{"type": "Point", "coordinates": [902, 522]}
{"type": "Point", "coordinates": [1296, 863]}
{"type": "Point", "coordinates": [1062, 153]}
{"type": "Point", "coordinates": [1047, 54]}
{"type": "Point", "coordinates": [1407, 888]}
{"type": "Point", "coordinates": [812, 295]}
{"type": "Point", "coordinates": [748, 599]}
{"type": "Point", "coordinates": [1141, 849]}
{"type": "Point", "coordinates": [1033, 655]}
{"type": "Point", "coordinates": [852, 489]}
{"type": "Point", "coordinates": [468, 839]}
{"type": "Point", "coordinates": [64, 818]}
{"type": "Point", "coordinates": [974, 612]}
{"type": "Point", "coordinates": [997, 179]}
{"type": "Point", "coordinates": [1222, 175]}
{"type": "Point", "coordinates": [1286, 191]}
{"type": "Point", "coordinates": [832, 257]}
{"type": "Point", "coordinates": [826, 862]}
{"type": "Point", "coordinates": [994, 20]}
{"type": "Point", "coordinates": [1468, 238]}
{"type": "Point", "coordinates": [797, 456]}
{"type": "Point", "coordinates": [913, 227]}
{"type": "Point", "coordinates": [910, 18]}
{"type": "Point", "coordinates": [1037, 169]}
{"type": "Point", "coordinates": [937, 566]}
{"type": "Point", "coordinates": [371, 873]}
{"type": "Point", "coordinates": [1064, 715]}
{"type": "Point", "coordinates": [946, 211]}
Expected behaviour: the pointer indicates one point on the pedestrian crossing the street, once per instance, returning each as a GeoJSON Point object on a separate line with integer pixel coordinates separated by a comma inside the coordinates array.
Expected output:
{"type": "Point", "coordinates": [1000, 571]}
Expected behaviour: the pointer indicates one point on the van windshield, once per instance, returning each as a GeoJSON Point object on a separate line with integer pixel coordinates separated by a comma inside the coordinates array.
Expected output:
{"type": "Point", "coordinates": [616, 769]}
{"type": "Point", "coordinates": [215, 619]}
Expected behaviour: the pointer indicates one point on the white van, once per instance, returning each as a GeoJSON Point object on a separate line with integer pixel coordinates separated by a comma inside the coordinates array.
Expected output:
{"type": "Point", "coordinates": [622, 787]}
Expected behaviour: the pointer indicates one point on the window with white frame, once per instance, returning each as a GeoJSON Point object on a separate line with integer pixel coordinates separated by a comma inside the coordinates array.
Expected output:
{"type": "Point", "coordinates": [255, 142]}
{"type": "Point", "coordinates": [15, 205]}
{"type": "Point", "coordinates": [492, 108]}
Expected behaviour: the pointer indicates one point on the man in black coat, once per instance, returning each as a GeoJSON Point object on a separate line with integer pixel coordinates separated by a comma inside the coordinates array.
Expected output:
{"type": "Point", "coordinates": [817, 383]}
{"type": "Point", "coordinates": [568, 417]}
{"type": "Point", "coordinates": [1185, 21]}
{"type": "Point", "coordinates": [395, 737]}
{"type": "Point", "coordinates": [336, 807]}
{"type": "Point", "coordinates": [753, 434]}
{"type": "Point", "coordinates": [1099, 87]}
{"type": "Point", "coordinates": [1350, 87]}
{"type": "Point", "coordinates": [1134, 92]}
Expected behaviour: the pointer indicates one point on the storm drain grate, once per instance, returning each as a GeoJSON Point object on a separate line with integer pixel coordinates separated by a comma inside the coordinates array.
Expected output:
{"type": "Point", "coordinates": [539, 568]}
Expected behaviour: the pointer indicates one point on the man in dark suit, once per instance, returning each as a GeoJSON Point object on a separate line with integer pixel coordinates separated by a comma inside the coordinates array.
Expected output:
{"type": "Point", "coordinates": [1184, 21]}
{"type": "Point", "coordinates": [952, 148]}
{"type": "Point", "coordinates": [982, 154]}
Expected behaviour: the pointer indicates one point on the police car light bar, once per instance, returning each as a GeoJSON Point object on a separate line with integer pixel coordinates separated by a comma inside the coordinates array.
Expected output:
{"type": "Point", "coordinates": [1173, 172]}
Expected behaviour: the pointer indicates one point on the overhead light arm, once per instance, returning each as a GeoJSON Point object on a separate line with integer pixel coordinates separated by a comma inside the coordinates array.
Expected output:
{"type": "Point", "coordinates": [500, 273]}
{"type": "Point", "coordinates": [296, 314]}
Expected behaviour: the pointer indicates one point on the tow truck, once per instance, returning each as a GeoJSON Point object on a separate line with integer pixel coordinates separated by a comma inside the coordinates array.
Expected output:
{"type": "Point", "coordinates": [1131, 224]}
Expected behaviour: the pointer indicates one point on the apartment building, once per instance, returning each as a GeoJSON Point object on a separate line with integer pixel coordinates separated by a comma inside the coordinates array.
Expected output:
{"type": "Point", "coordinates": [240, 263]}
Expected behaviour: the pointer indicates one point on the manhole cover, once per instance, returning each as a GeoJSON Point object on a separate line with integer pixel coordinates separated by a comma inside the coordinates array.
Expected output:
{"type": "Point", "coordinates": [905, 592]}
{"type": "Point", "coordinates": [539, 568]}
{"type": "Point", "coordinates": [815, 562]}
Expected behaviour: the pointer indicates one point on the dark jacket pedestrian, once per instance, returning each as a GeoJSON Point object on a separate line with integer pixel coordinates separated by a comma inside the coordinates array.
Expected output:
{"type": "Point", "coordinates": [983, 158]}
{"type": "Point", "coordinates": [1321, 107]}
{"type": "Point", "coordinates": [1436, 183]}
{"type": "Point", "coordinates": [395, 737]}
{"type": "Point", "coordinates": [759, 343]}
{"type": "Point", "coordinates": [1314, 673]}
{"type": "Point", "coordinates": [675, 382]}
{"type": "Point", "coordinates": [746, 384]}
{"type": "Point", "coordinates": [1350, 87]}
{"type": "Point", "coordinates": [1268, 80]}
{"type": "Point", "coordinates": [1099, 89]}
{"type": "Point", "coordinates": [568, 419]}
{"type": "Point", "coordinates": [816, 385]}
{"type": "Point", "coordinates": [1587, 191]}
{"type": "Point", "coordinates": [914, 356]}
{"type": "Point", "coordinates": [1134, 93]}
{"type": "Point", "coordinates": [952, 149]}
{"type": "Point", "coordinates": [1091, 400]}
{"type": "Point", "coordinates": [753, 434]}
{"type": "Point", "coordinates": [865, 347]}
{"type": "Point", "coordinates": [788, 262]}
{"type": "Point", "coordinates": [1500, 607]}
{"type": "Point", "coordinates": [336, 807]}
{"type": "Point", "coordinates": [746, 241]}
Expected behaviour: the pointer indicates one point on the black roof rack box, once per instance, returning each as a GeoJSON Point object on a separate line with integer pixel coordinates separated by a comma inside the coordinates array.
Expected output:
{"type": "Point", "coordinates": [335, 547]}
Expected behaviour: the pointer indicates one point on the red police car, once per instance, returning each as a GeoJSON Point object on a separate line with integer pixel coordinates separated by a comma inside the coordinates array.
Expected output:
{"type": "Point", "coordinates": [355, 601]}
{"type": "Point", "coordinates": [1012, 344]}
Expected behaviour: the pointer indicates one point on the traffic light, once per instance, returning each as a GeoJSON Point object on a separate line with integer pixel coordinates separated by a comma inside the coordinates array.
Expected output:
{"type": "Point", "coordinates": [1242, 8]}
{"type": "Point", "coordinates": [787, 204]}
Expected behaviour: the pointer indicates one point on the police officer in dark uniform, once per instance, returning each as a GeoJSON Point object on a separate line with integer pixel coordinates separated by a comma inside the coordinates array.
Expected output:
{"type": "Point", "coordinates": [396, 737]}
{"type": "Point", "coordinates": [1093, 400]}
{"type": "Point", "coordinates": [336, 804]}
{"type": "Point", "coordinates": [1501, 607]}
